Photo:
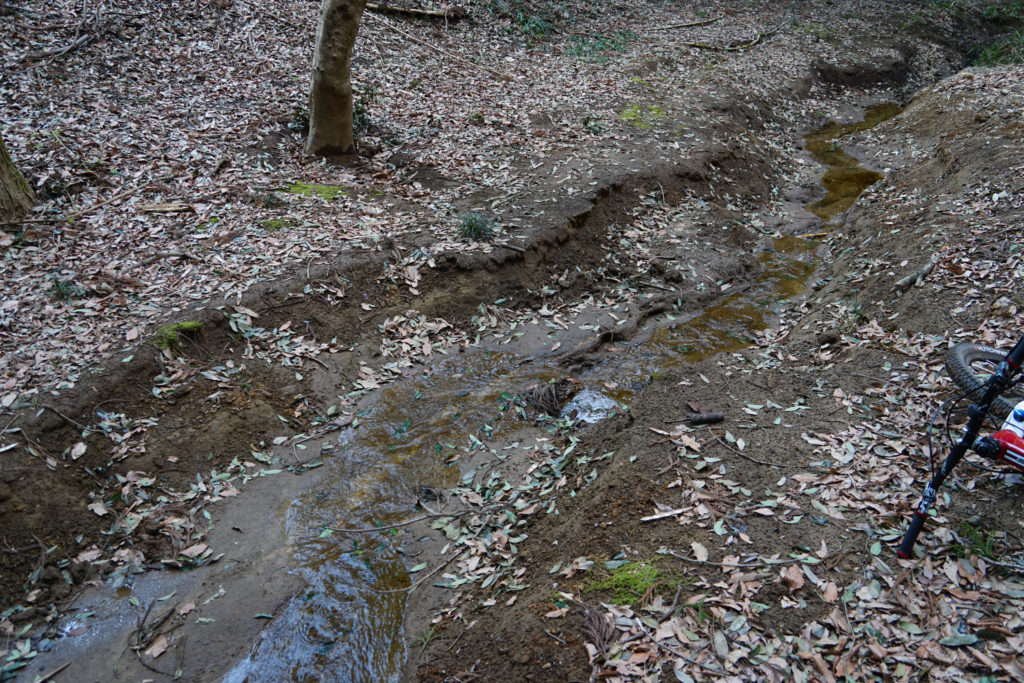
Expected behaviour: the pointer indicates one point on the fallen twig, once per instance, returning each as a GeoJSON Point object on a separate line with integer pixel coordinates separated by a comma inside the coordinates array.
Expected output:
{"type": "Point", "coordinates": [728, 565]}
{"type": "Point", "coordinates": [703, 22]}
{"type": "Point", "coordinates": [917, 277]}
{"type": "Point", "coordinates": [57, 52]}
{"type": "Point", "coordinates": [50, 674]}
{"type": "Point", "coordinates": [675, 652]}
{"type": "Point", "coordinates": [77, 214]}
{"type": "Point", "coordinates": [64, 417]}
{"type": "Point", "coordinates": [408, 522]}
{"type": "Point", "coordinates": [728, 48]}
{"type": "Point", "coordinates": [163, 255]}
{"type": "Point", "coordinates": [744, 455]}
{"type": "Point", "coordinates": [451, 14]}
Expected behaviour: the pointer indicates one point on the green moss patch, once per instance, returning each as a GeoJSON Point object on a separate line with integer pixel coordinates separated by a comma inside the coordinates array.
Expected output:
{"type": "Point", "coordinates": [275, 224]}
{"type": "Point", "coordinates": [169, 336]}
{"type": "Point", "coordinates": [632, 581]}
{"type": "Point", "coordinates": [328, 192]}
{"type": "Point", "coordinates": [641, 117]}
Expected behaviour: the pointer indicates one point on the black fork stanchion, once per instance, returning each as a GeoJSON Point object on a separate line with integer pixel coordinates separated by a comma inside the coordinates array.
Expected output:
{"type": "Point", "coordinates": [997, 384]}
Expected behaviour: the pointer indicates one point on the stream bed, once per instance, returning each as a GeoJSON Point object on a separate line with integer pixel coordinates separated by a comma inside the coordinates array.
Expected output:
{"type": "Point", "coordinates": [348, 621]}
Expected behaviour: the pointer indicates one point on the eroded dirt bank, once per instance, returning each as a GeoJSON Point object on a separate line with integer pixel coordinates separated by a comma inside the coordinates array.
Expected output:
{"type": "Point", "coordinates": [615, 220]}
{"type": "Point", "coordinates": [761, 548]}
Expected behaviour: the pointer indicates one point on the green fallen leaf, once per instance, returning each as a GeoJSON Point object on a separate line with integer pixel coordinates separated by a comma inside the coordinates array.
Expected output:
{"type": "Point", "coordinates": [959, 639]}
{"type": "Point", "coordinates": [418, 568]}
{"type": "Point", "coordinates": [262, 615]}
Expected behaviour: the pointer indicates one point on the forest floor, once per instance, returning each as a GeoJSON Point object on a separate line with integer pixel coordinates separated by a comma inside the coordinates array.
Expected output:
{"type": "Point", "coordinates": [220, 357]}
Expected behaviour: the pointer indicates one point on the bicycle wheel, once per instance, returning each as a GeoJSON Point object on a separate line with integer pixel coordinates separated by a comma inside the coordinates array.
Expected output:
{"type": "Point", "coordinates": [970, 366]}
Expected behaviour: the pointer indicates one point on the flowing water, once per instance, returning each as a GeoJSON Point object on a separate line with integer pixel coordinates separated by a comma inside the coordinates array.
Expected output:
{"type": "Point", "coordinates": [348, 622]}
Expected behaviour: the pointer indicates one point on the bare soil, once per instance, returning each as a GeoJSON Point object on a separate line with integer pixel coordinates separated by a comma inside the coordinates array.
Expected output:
{"type": "Point", "coordinates": [148, 461]}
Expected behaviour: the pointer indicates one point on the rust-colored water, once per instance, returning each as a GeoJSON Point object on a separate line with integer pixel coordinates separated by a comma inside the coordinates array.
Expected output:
{"type": "Point", "coordinates": [844, 177]}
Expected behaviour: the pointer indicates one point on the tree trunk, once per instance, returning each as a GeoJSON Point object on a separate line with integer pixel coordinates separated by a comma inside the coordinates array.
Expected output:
{"type": "Point", "coordinates": [15, 195]}
{"type": "Point", "coordinates": [330, 97]}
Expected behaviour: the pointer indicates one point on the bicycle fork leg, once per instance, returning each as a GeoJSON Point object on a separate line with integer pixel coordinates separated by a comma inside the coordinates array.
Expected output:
{"type": "Point", "coordinates": [930, 492]}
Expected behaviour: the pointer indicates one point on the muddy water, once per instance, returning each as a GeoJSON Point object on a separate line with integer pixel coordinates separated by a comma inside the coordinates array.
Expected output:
{"type": "Point", "coordinates": [347, 624]}
{"type": "Point", "coordinates": [844, 177]}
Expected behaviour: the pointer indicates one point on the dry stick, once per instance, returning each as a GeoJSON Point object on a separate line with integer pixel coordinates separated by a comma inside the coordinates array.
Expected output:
{"type": "Point", "coordinates": [663, 288]}
{"type": "Point", "coordinates": [413, 586]}
{"type": "Point", "coordinates": [917, 277]}
{"type": "Point", "coordinates": [1007, 565]}
{"type": "Point", "coordinates": [162, 255]}
{"type": "Point", "coordinates": [57, 52]}
{"type": "Point", "coordinates": [425, 44]}
{"type": "Point", "coordinates": [451, 13]}
{"type": "Point", "coordinates": [77, 214]}
{"type": "Point", "coordinates": [50, 674]}
{"type": "Point", "coordinates": [744, 455]}
{"type": "Point", "coordinates": [455, 555]}
{"type": "Point", "coordinates": [689, 24]}
{"type": "Point", "coordinates": [64, 417]}
{"type": "Point", "coordinates": [728, 48]}
{"type": "Point", "coordinates": [730, 565]}
{"type": "Point", "coordinates": [413, 521]}
{"type": "Point", "coordinates": [513, 247]}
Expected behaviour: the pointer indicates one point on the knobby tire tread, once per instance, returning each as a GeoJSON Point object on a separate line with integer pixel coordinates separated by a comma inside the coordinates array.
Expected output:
{"type": "Point", "coordinates": [958, 364]}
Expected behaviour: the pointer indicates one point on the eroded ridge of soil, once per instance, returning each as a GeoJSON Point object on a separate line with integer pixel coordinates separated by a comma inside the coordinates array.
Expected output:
{"type": "Point", "coordinates": [762, 547]}
{"type": "Point", "coordinates": [194, 309]}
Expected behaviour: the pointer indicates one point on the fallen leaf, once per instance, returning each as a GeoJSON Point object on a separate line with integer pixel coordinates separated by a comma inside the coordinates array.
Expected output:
{"type": "Point", "coordinates": [98, 508]}
{"type": "Point", "coordinates": [158, 647]}
{"type": "Point", "coordinates": [793, 577]}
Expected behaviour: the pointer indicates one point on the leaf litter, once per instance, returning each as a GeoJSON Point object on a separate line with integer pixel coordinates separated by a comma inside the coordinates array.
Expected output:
{"type": "Point", "coordinates": [185, 197]}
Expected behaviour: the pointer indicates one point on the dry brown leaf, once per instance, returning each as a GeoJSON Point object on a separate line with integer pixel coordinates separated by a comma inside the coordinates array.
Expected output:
{"type": "Point", "coordinates": [794, 577]}
{"type": "Point", "coordinates": [699, 551]}
{"type": "Point", "coordinates": [158, 647]}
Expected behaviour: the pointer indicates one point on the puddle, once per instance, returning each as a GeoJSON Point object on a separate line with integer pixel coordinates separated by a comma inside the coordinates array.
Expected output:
{"type": "Point", "coordinates": [589, 406]}
{"type": "Point", "coordinates": [348, 622]}
{"type": "Point", "coordinates": [844, 177]}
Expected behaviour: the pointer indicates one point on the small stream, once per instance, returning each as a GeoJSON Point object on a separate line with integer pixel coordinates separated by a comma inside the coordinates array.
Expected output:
{"type": "Point", "coordinates": [348, 622]}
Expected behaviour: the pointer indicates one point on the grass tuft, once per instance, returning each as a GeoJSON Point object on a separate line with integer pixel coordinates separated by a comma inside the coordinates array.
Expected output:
{"type": "Point", "coordinates": [476, 227]}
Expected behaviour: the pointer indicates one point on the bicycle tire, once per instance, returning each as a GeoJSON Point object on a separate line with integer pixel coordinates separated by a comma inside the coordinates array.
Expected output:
{"type": "Point", "coordinates": [967, 365]}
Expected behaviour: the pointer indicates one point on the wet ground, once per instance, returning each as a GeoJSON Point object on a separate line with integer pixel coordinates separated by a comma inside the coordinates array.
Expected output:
{"type": "Point", "coordinates": [342, 485]}
{"type": "Point", "coordinates": [403, 452]}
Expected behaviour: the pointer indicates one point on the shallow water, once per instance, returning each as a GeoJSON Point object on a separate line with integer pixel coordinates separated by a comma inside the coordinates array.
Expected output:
{"type": "Point", "coordinates": [348, 622]}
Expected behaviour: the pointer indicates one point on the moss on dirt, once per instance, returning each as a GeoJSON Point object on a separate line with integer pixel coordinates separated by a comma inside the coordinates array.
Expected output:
{"type": "Point", "coordinates": [641, 117]}
{"type": "Point", "coordinates": [328, 192]}
{"type": "Point", "coordinates": [275, 224]}
{"type": "Point", "coordinates": [631, 582]}
{"type": "Point", "coordinates": [169, 336]}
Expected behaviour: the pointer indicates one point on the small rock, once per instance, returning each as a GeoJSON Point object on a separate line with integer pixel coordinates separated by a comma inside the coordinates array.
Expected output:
{"type": "Point", "coordinates": [1004, 304]}
{"type": "Point", "coordinates": [521, 658]}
